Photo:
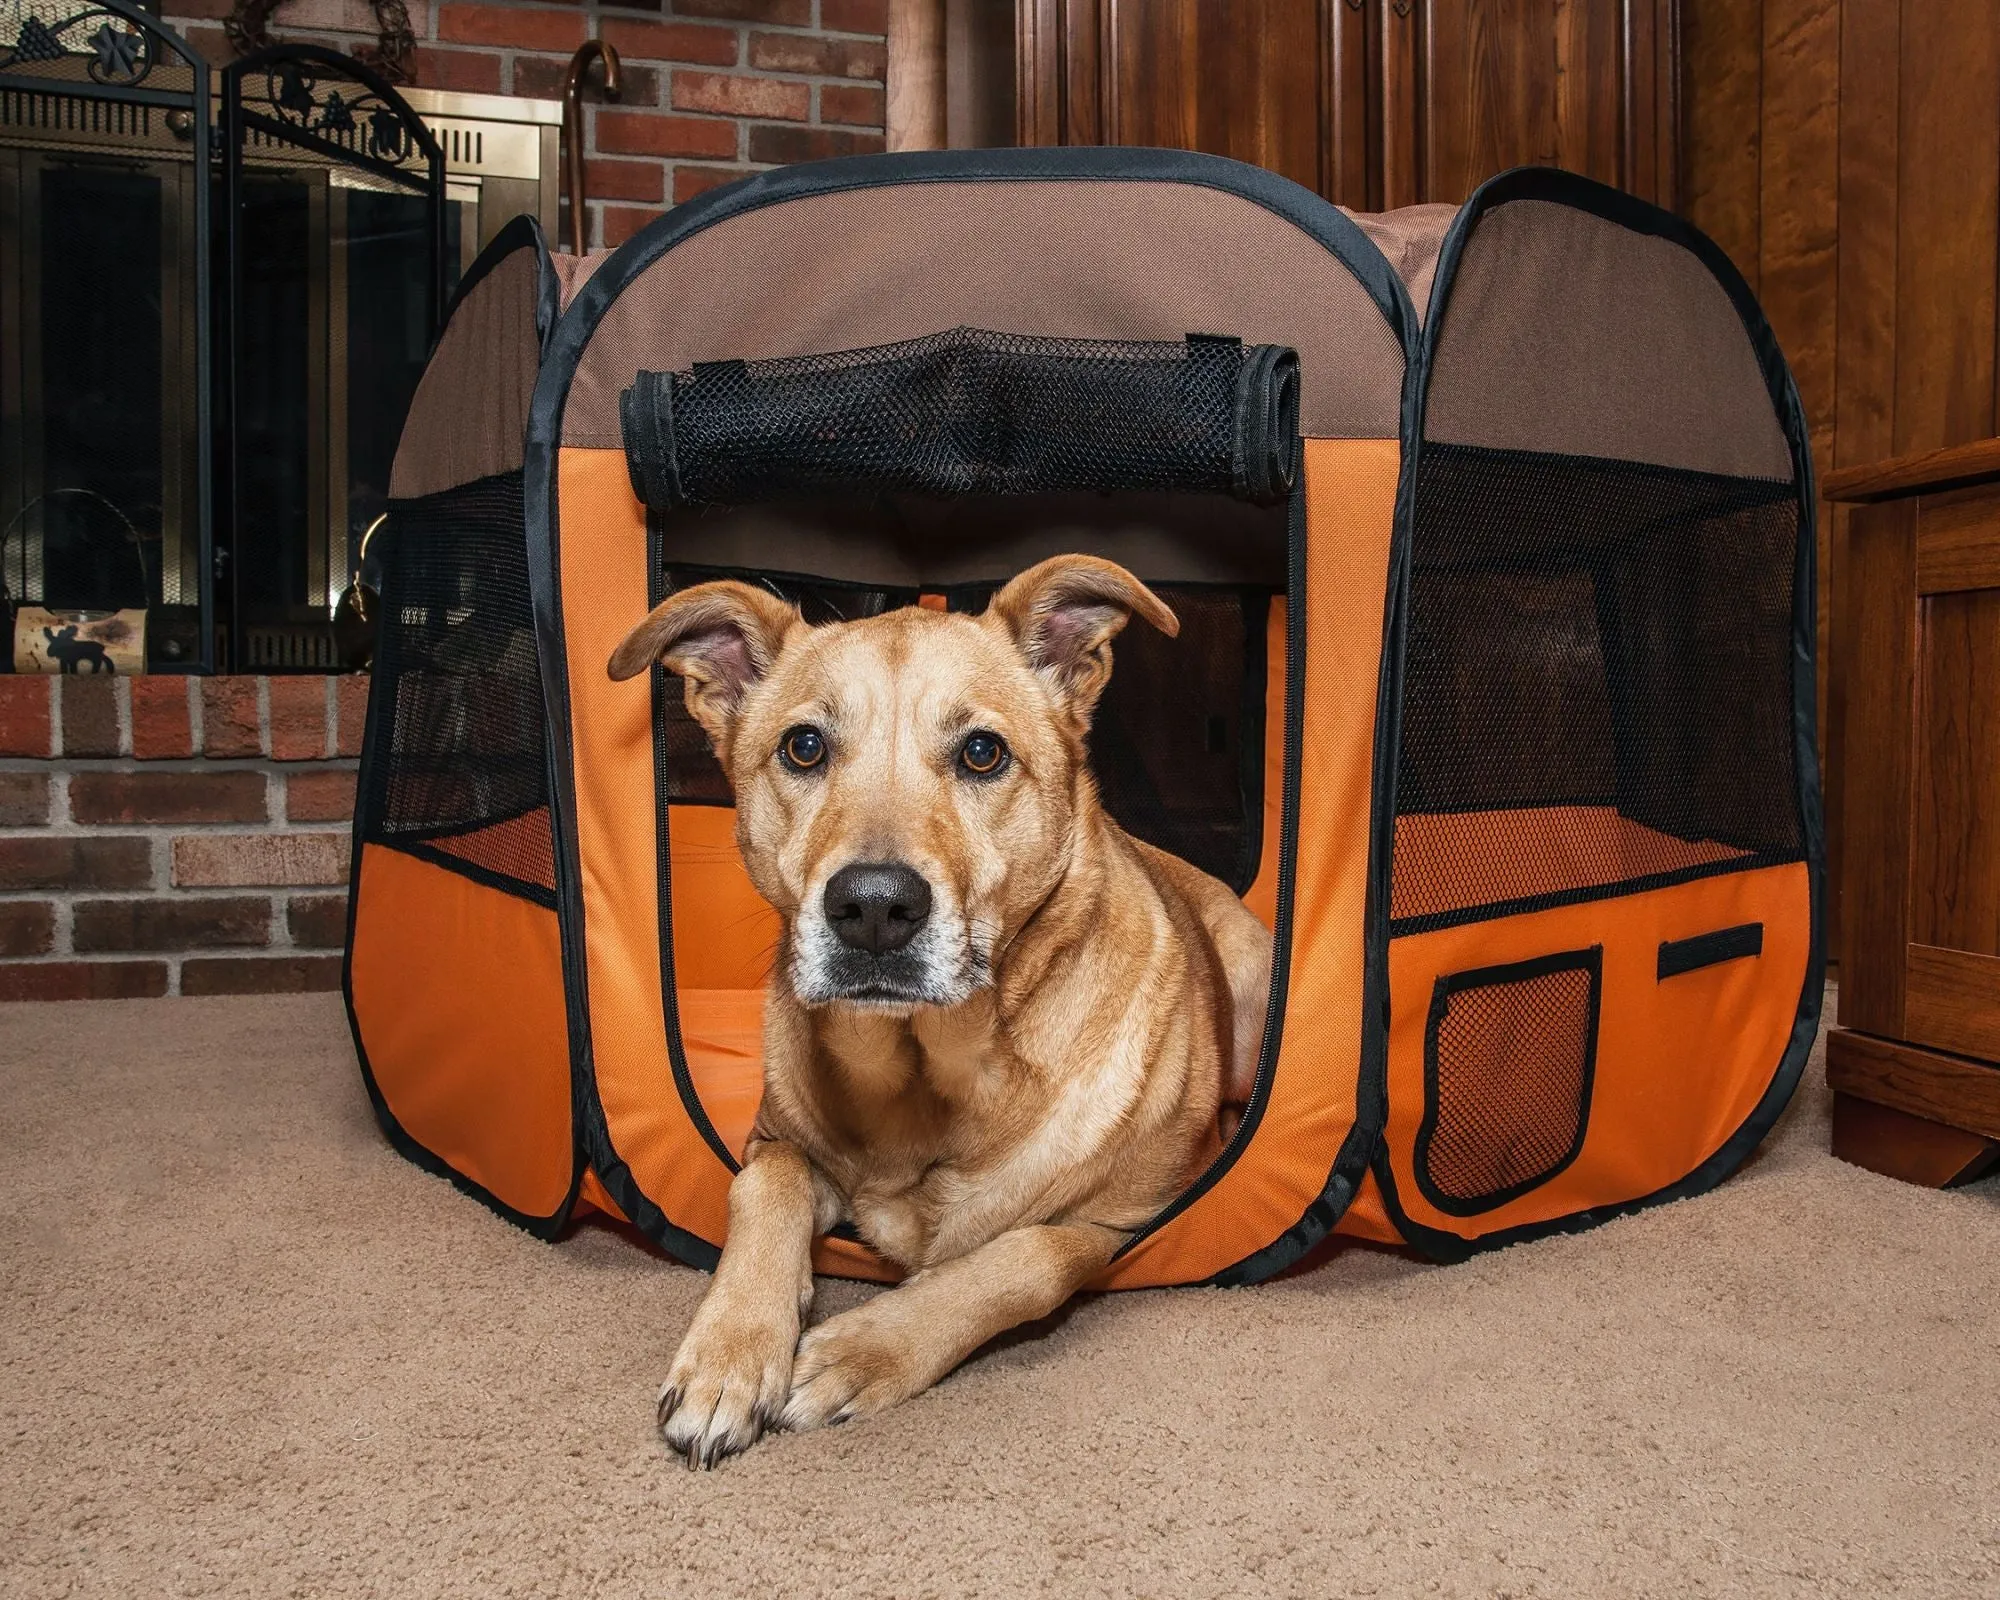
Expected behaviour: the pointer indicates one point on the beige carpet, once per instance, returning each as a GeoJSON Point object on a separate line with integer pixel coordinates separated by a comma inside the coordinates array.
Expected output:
{"type": "Point", "coordinates": [246, 1350]}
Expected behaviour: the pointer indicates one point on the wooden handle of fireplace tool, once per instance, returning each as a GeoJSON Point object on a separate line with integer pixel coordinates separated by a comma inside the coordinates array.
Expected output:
{"type": "Point", "coordinates": [589, 52]}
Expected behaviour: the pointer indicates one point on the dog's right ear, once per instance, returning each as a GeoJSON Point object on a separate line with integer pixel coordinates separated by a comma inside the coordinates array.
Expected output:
{"type": "Point", "coordinates": [719, 637]}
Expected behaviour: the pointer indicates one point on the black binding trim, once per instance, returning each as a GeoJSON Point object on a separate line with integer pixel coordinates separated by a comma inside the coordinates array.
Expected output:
{"type": "Point", "coordinates": [1324, 223]}
{"type": "Point", "coordinates": [664, 684]}
{"type": "Point", "coordinates": [1709, 949]}
{"type": "Point", "coordinates": [1583, 194]}
{"type": "Point", "coordinates": [1589, 961]}
{"type": "Point", "coordinates": [1281, 938]}
{"type": "Point", "coordinates": [521, 234]}
{"type": "Point", "coordinates": [426, 850]}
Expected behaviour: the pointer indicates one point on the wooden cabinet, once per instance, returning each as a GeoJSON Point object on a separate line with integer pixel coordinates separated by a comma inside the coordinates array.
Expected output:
{"type": "Point", "coordinates": [1915, 1060]}
{"type": "Point", "coordinates": [1374, 103]}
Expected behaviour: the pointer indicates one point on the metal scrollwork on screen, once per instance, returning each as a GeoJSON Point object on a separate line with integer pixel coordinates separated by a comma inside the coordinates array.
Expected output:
{"type": "Point", "coordinates": [347, 113]}
{"type": "Point", "coordinates": [117, 52]}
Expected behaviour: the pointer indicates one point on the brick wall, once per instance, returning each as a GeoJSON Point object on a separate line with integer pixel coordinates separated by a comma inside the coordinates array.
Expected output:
{"type": "Point", "coordinates": [174, 835]}
{"type": "Point", "coordinates": [714, 89]}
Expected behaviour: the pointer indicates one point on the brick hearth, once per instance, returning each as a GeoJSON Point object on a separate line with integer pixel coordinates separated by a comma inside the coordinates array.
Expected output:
{"type": "Point", "coordinates": [174, 835]}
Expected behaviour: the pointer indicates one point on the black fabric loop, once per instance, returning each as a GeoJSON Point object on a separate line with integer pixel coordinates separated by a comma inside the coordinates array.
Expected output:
{"type": "Point", "coordinates": [969, 412]}
{"type": "Point", "coordinates": [1265, 462]}
{"type": "Point", "coordinates": [646, 416]}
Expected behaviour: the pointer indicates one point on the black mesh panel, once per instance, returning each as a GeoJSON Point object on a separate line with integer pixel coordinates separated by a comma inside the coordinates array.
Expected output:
{"type": "Point", "coordinates": [969, 413]}
{"type": "Point", "coordinates": [1598, 682]}
{"type": "Point", "coordinates": [1177, 745]}
{"type": "Point", "coordinates": [1508, 1059]}
{"type": "Point", "coordinates": [458, 771]}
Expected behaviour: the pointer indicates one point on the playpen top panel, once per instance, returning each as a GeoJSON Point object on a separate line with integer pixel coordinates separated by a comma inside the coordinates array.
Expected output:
{"type": "Point", "coordinates": [1570, 333]}
{"type": "Point", "coordinates": [1409, 239]}
{"type": "Point", "coordinates": [1081, 257]}
{"type": "Point", "coordinates": [468, 419]}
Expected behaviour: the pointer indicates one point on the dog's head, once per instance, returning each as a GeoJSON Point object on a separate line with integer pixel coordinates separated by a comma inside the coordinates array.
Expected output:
{"type": "Point", "coordinates": [907, 786]}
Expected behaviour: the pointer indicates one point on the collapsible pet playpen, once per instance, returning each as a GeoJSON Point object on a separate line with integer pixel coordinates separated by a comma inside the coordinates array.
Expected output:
{"type": "Point", "coordinates": [1494, 694]}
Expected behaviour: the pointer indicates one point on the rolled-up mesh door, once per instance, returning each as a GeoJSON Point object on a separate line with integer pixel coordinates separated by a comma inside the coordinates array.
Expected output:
{"type": "Point", "coordinates": [970, 412]}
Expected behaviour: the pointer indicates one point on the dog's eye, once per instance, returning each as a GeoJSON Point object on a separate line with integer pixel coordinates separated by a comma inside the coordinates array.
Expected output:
{"type": "Point", "coordinates": [802, 748]}
{"type": "Point", "coordinates": [983, 754]}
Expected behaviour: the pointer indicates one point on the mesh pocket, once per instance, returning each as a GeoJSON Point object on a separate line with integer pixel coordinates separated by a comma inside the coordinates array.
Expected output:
{"type": "Point", "coordinates": [457, 769]}
{"type": "Point", "coordinates": [1597, 683]}
{"type": "Point", "coordinates": [969, 413]}
{"type": "Point", "coordinates": [1509, 1054]}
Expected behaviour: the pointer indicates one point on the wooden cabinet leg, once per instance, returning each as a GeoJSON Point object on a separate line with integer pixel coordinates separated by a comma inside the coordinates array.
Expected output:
{"type": "Point", "coordinates": [1914, 1149]}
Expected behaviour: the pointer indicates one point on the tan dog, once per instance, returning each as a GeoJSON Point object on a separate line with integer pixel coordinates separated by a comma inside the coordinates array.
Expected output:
{"type": "Point", "coordinates": [998, 1029]}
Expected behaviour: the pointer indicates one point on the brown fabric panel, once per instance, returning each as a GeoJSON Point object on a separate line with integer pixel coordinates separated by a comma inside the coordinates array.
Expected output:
{"type": "Point", "coordinates": [1568, 333]}
{"type": "Point", "coordinates": [469, 419]}
{"type": "Point", "coordinates": [573, 272]}
{"type": "Point", "coordinates": [1411, 238]}
{"type": "Point", "coordinates": [1072, 258]}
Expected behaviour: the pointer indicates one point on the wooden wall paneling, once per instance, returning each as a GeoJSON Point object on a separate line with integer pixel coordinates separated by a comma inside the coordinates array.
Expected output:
{"type": "Point", "coordinates": [1649, 158]}
{"type": "Point", "coordinates": [982, 74]}
{"type": "Point", "coordinates": [1870, 131]}
{"type": "Point", "coordinates": [1351, 170]}
{"type": "Point", "coordinates": [1595, 78]}
{"type": "Point", "coordinates": [1948, 223]}
{"type": "Point", "coordinates": [1722, 85]}
{"type": "Point", "coordinates": [1879, 631]}
{"type": "Point", "coordinates": [1400, 49]}
{"type": "Point", "coordinates": [1487, 94]}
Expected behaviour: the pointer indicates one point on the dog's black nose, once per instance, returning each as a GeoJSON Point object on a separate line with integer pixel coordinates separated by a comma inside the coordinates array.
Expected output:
{"type": "Point", "coordinates": [877, 906]}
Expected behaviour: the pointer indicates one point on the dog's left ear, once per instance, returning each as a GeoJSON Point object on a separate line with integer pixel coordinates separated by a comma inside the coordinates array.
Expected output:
{"type": "Point", "coordinates": [1063, 615]}
{"type": "Point", "coordinates": [720, 638]}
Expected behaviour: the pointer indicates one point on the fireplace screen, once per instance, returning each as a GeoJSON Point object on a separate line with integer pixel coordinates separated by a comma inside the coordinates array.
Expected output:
{"type": "Point", "coordinates": [104, 273]}
{"type": "Point", "coordinates": [342, 215]}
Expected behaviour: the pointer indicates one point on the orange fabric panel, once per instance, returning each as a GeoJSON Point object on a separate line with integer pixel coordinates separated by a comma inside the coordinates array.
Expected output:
{"type": "Point", "coordinates": [1496, 856]}
{"type": "Point", "coordinates": [1350, 488]}
{"type": "Point", "coordinates": [1367, 1215]}
{"type": "Point", "coordinates": [1262, 895]}
{"type": "Point", "coordinates": [722, 1037]}
{"type": "Point", "coordinates": [459, 994]}
{"type": "Point", "coordinates": [1680, 1063]}
{"type": "Point", "coordinates": [604, 593]}
{"type": "Point", "coordinates": [724, 932]}
{"type": "Point", "coordinates": [592, 1194]}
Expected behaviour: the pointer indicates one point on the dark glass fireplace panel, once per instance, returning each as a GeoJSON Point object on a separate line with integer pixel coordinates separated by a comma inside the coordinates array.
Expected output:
{"type": "Point", "coordinates": [387, 344]}
{"type": "Point", "coordinates": [275, 385]}
{"type": "Point", "coordinates": [101, 515]}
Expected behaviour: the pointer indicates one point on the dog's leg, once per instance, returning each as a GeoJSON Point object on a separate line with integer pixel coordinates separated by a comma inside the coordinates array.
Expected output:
{"type": "Point", "coordinates": [904, 1340]}
{"type": "Point", "coordinates": [734, 1368]}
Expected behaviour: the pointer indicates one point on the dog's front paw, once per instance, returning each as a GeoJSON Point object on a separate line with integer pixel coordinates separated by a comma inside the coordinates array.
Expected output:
{"type": "Point", "coordinates": [726, 1386]}
{"type": "Point", "coordinates": [852, 1366]}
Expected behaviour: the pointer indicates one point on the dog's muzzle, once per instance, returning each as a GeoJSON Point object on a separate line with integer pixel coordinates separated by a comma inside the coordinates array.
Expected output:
{"type": "Point", "coordinates": [875, 913]}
